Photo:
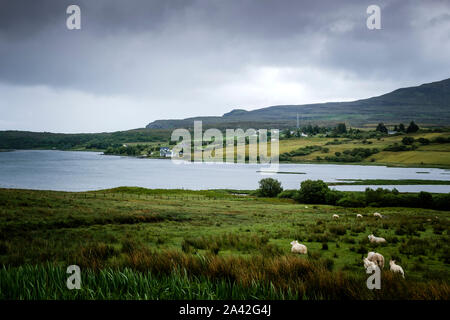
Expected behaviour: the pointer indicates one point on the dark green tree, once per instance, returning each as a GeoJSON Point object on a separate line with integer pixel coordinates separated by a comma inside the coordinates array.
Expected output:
{"type": "Point", "coordinates": [425, 199]}
{"type": "Point", "coordinates": [412, 128]}
{"type": "Point", "coordinates": [381, 128]}
{"type": "Point", "coordinates": [341, 128]}
{"type": "Point", "coordinates": [313, 191]}
{"type": "Point", "coordinates": [408, 141]}
{"type": "Point", "coordinates": [269, 187]}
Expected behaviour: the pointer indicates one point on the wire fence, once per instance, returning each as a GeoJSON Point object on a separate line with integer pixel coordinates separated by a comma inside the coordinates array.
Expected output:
{"type": "Point", "coordinates": [149, 197]}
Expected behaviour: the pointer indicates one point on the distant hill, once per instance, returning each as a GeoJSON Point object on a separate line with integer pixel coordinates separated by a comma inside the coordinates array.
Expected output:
{"type": "Point", "coordinates": [46, 140]}
{"type": "Point", "coordinates": [427, 104]}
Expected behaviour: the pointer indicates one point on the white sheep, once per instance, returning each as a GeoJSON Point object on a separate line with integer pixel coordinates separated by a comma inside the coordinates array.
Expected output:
{"type": "Point", "coordinates": [335, 216]}
{"type": "Point", "coordinates": [368, 263]}
{"type": "Point", "coordinates": [378, 215]}
{"type": "Point", "coordinates": [359, 215]}
{"type": "Point", "coordinates": [377, 258]}
{"type": "Point", "coordinates": [374, 239]}
{"type": "Point", "coordinates": [396, 268]}
{"type": "Point", "coordinates": [298, 247]}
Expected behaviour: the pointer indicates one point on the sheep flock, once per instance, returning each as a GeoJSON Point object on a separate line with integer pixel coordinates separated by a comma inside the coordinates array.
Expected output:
{"type": "Point", "coordinates": [373, 259]}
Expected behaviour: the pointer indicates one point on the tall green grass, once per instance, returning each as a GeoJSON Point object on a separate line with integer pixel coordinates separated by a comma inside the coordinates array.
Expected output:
{"type": "Point", "coordinates": [286, 278]}
{"type": "Point", "coordinates": [48, 282]}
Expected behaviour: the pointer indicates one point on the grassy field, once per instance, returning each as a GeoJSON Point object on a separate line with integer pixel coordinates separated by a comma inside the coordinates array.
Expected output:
{"type": "Point", "coordinates": [424, 155]}
{"type": "Point", "coordinates": [175, 244]}
{"type": "Point", "coordinates": [432, 155]}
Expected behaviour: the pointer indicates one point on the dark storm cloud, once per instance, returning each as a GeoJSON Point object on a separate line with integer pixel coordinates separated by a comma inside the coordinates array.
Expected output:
{"type": "Point", "coordinates": [188, 57]}
{"type": "Point", "coordinates": [37, 48]}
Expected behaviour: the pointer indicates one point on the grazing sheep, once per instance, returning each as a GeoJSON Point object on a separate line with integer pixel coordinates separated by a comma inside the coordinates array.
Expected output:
{"type": "Point", "coordinates": [378, 215]}
{"type": "Point", "coordinates": [306, 207]}
{"type": "Point", "coordinates": [368, 263]}
{"type": "Point", "coordinates": [374, 239]}
{"type": "Point", "coordinates": [377, 258]}
{"type": "Point", "coordinates": [396, 268]}
{"type": "Point", "coordinates": [335, 216]}
{"type": "Point", "coordinates": [298, 247]}
{"type": "Point", "coordinates": [359, 215]}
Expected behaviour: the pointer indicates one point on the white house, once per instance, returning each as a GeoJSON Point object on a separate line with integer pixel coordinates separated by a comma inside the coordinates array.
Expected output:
{"type": "Point", "coordinates": [165, 152]}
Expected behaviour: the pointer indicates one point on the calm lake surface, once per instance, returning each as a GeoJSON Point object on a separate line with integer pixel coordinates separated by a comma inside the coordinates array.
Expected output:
{"type": "Point", "coordinates": [82, 171]}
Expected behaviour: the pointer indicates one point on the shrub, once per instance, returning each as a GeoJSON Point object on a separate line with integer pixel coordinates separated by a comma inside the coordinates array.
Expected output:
{"type": "Point", "coordinates": [442, 140]}
{"type": "Point", "coordinates": [299, 152]}
{"type": "Point", "coordinates": [333, 196]}
{"type": "Point", "coordinates": [352, 155]}
{"type": "Point", "coordinates": [397, 148]}
{"type": "Point", "coordinates": [288, 194]}
{"type": "Point", "coordinates": [408, 141]}
{"type": "Point", "coordinates": [352, 201]}
{"type": "Point", "coordinates": [313, 191]}
{"type": "Point", "coordinates": [269, 187]}
{"type": "Point", "coordinates": [387, 198]}
{"type": "Point", "coordinates": [441, 201]}
{"type": "Point", "coordinates": [423, 141]}
{"type": "Point", "coordinates": [425, 199]}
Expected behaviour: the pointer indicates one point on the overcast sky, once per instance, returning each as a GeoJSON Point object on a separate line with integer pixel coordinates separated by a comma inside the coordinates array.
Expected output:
{"type": "Point", "coordinates": [135, 61]}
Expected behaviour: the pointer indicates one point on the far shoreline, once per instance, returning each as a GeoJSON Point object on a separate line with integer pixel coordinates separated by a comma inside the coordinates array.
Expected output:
{"type": "Point", "coordinates": [378, 164]}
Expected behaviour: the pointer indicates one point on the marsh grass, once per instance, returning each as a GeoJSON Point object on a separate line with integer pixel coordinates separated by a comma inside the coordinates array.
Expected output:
{"type": "Point", "coordinates": [175, 275]}
{"type": "Point", "coordinates": [137, 244]}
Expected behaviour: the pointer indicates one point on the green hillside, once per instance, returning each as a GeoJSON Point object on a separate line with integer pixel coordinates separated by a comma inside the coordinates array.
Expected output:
{"type": "Point", "coordinates": [428, 104]}
{"type": "Point", "coordinates": [47, 140]}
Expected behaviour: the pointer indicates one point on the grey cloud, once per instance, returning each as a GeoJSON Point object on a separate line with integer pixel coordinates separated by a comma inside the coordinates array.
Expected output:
{"type": "Point", "coordinates": [163, 53]}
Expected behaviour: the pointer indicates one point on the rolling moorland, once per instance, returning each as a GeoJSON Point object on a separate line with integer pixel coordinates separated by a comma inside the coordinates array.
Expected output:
{"type": "Point", "coordinates": [427, 104]}
{"type": "Point", "coordinates": [134, 243]}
